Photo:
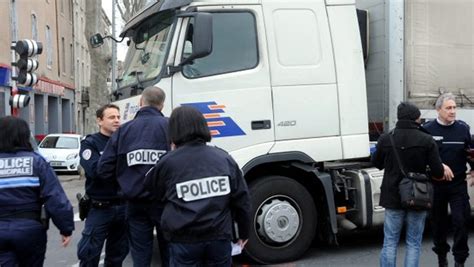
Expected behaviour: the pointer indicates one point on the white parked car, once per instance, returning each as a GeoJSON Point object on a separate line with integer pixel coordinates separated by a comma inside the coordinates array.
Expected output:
{"type": "Point", "coordinates": [61, 151]}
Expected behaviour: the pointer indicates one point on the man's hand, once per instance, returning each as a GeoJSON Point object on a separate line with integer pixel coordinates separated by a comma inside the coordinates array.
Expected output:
{"type": "Point", "coordinates": [447, 176]}
{"type": "Point", "coordinates": [470, 180]}
{"type": "Point", "coordinates": [448, 173]}
{"type": "Point", "coordinates": [65, 240]}
{"type": "Point", "coordinates": [242, 243]}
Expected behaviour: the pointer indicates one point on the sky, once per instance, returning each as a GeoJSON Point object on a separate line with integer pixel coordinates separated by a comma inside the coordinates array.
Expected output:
{"type": "Point", "coordinates": [121, 47]}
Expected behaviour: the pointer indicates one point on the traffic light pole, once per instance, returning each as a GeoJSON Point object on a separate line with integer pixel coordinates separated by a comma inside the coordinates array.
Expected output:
{"type": "Point", "coordinates": [14, 36]}
{"type": "Point", "coordinates": [14, 88]}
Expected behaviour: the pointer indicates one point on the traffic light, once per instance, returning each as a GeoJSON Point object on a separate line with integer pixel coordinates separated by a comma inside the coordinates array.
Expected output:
{"type": "Point", "coordinates": [19, 101]}
{"type": "Point", "coordinates": [26, 65]}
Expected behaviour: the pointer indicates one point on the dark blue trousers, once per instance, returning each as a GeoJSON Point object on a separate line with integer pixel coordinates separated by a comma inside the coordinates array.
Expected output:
{"type": "Point", "coordinates": [104, 224]}
{"type": "Point", "coordinates": [215, 253]}
{"type": "Point", "coordinates": [458, 199]}
{"type": "Point", "coordinates": [142, 219]}
{"type": "Point", "coordinates": [22, 243]}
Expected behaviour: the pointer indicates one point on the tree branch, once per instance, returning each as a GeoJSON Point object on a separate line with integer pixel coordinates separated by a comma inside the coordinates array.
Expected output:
{"type": "Point", "coordinates": [120, 10]}
{"type": "Point", "coordinates": [129, 8]}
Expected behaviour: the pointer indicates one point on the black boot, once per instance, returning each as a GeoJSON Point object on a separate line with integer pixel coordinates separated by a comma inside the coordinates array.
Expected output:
{"type": "Point", "coordinates": [442, 261]}
{"type": "Point", "coordinates": [457, 264]}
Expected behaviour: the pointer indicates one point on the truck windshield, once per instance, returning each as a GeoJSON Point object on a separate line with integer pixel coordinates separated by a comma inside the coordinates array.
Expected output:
{"type": "Point", "coordinates": [147, 49]}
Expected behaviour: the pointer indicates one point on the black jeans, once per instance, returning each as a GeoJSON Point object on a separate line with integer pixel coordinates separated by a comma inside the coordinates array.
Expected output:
{"type": "Point", "coordinates": [458, 199]}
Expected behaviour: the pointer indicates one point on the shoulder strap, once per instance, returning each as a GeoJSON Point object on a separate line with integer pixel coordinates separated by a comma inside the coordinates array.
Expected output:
{"type": "Point", "coordinates": [396, 154]}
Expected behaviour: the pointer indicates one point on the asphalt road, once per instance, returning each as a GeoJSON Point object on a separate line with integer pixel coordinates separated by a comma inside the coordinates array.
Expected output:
{"type": "Point", "coordinates": [355, 249]}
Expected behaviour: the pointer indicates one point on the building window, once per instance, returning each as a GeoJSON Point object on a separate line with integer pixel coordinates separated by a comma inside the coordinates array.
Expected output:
{"type": "Point", "coordinates": [49, 48]}
{"type": "Point", "coordinates": [34, 27]}
{"type": "Point", "coordinates": [63, 55]}
{"type": "Point", "coordinates": [78, 77]}
{"type": "Point", "coordinates": [71, 13]}
{"type": "Point", "coordinates": [76, 26]}
{"type": "Point", "coordinates": [81, 29]}
{"type": "Point", "coordinates": [71, 55]}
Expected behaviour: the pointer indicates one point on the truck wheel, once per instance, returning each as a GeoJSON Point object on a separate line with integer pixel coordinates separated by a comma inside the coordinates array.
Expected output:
{"type": "Point", "coordinates": [283, 220]}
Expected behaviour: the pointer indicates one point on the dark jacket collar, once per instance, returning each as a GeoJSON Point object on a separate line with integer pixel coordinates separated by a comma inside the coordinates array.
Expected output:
{"type": "Point", "coordinates": [407, 124]}
{"type": "Point", "coordinates": [148, 111]}
{"type": "Point", "coordinates": [444, 125]}
{"type": "Point", "coordinates": [195, 142]}
{"type": "Point", "coordinates": [102, 136]}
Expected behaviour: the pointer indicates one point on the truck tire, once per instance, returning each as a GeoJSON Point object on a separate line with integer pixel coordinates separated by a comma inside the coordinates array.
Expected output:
{"type": "Point", "coordinates": [283, 220]}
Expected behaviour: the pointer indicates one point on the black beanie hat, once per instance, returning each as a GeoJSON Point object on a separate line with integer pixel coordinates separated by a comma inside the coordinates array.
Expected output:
{"type": "Point", "coordinates": [408, 111]}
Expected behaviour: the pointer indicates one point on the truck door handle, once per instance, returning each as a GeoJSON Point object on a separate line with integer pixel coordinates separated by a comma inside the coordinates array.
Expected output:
{"type": "Point", "coordinates": [261, 125]}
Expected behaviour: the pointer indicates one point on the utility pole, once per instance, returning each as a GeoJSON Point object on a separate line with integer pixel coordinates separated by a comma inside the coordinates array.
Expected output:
{"type": "Point", "coordinates": [14, 37]}
{"type": "Point", "coordinates": [114, 50]}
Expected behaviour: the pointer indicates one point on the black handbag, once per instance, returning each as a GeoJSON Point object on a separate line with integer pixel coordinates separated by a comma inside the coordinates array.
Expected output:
{"type": "Point", "coordinates": [416, 190]}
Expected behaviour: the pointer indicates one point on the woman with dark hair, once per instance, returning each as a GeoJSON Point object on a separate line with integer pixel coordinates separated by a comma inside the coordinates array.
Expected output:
{"type": "Point", "coordinates": [202, 191]}
{"type": "Point", "coordinates": [187, 124]}
{"type": "Point", "coordinates": [14, 134]}
{"type": "Point", "coordinates": [27, 182]}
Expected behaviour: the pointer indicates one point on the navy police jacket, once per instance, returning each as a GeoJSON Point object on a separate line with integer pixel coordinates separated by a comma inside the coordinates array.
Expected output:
{"type": "Point", "coordinates": [92, 148]}
{"type": "Point", "coordinates": [203, 191]}
{"type": "Point", "coordinates": [27, 182]}
{"type": "Point", "coordinates": [133, 150]}
{"type": "Point", "coordinates": [452, 140]}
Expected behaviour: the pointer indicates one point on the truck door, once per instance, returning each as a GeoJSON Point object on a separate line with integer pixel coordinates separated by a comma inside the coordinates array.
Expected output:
{"type": "Point", "coordinates": [303, 78]}
{"type": "Point", "coordinates": [231, 86]}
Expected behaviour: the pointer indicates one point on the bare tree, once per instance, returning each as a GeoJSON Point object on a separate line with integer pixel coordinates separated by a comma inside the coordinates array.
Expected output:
{"type": "Point", "coordinates": [128, 8]}
{"type": "Point", "coordinates": [100, 59]}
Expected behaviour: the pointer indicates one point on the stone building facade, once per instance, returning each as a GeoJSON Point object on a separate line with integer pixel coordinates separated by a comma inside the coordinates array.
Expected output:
{"type": "Point", "coordinates": [64, 65]}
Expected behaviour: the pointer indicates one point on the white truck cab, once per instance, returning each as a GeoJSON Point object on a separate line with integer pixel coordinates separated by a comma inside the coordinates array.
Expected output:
{"type": "Point", "coordinates": [282, 86]}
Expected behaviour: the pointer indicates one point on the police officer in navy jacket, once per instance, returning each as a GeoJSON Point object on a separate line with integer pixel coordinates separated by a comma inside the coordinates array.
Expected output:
{"type": "Point", "coordinates": [106, 219]}
{"type": "Point", "coordinates": [453, 138]}
{"type": "Point", "coordinates": [130, 153]}
{"type": "Point", "coordinates": [201, 188]}
{"type": "Point", "coordinates": [26, 183]}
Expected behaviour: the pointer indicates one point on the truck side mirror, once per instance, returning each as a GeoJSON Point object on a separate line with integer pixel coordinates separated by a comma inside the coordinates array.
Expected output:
{"type": "Point", "coordinates": [202, 36]}
{"type": "Point", "coordinates": [96, 40]}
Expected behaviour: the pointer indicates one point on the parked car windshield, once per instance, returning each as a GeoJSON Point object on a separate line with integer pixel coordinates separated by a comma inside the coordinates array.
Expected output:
{"type": "Point", "coordinates": [60, 142]}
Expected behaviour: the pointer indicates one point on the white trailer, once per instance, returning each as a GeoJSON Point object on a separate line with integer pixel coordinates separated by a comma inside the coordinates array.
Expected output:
{"type": "Point", "coordinates": [419, 49]}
